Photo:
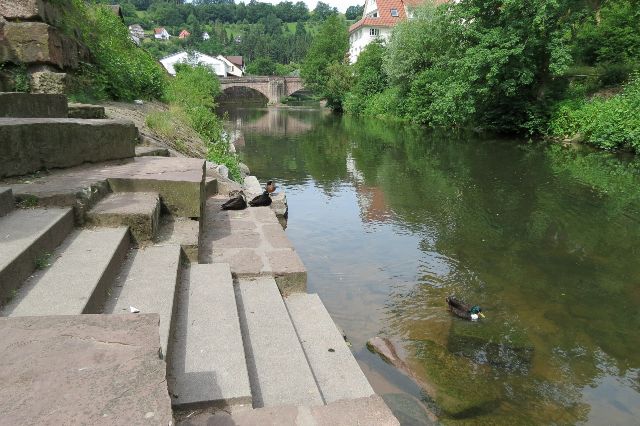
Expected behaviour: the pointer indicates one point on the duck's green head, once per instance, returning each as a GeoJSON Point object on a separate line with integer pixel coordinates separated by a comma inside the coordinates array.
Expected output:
{"type": "Point", "coordinates": [476, 310]}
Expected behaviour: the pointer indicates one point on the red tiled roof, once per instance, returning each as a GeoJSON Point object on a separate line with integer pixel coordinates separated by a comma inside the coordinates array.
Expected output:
{"type": "Point", "coordinates": [158, 30]}
{"type": "Point", "coordinates": [384, 18]}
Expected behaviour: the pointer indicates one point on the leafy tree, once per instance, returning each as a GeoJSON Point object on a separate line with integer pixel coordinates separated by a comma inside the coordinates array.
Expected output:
{"type": "Point", "coordinates": [262, 66]}
{"type": "Point", "coordinates": [354, 12]}
{"type": "Point", "coordinates": [369, 78]}
{"type": "Point", "coordinates": [328, 47]}
{"type": "Point", "coordinates": [323, 11]}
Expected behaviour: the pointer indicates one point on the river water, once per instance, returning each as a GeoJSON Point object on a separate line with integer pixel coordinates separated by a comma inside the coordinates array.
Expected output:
{"type": "Point", "coordinates": [389, 219]}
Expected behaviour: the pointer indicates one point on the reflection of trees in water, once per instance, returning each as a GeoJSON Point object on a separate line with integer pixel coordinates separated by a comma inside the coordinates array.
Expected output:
{"type": "Point", "coordinates": [540, 251]}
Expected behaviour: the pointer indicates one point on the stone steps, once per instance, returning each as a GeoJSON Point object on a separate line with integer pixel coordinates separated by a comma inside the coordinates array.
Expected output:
{"type": "Point", "coordinates": [32, 105]}
{"type": "Point", "coordinates": [151, 151]}
{"type": "Point", "coordinates": [7, 203]}
{"type": "Point", "coordinates": [253, 243]}
{"type": "Point", "coordinates": [335, 369]}
{"type": "Point", "coordinates": [26, 237]}
{"type": "Point", "coordinates": [148, 282]}
{"type": "Point", "coordinates": [79, 278]}
{"type": "Point", "coordinates": [278, 370]}
{"type": "Point", "coordinates": [32, 144]}
{"type": "Point", "coordinates": [140, 211]}
{"type": "Point", "coordinates": [86, 111]}
{"type": "Point", "coordinates": [207, 362]}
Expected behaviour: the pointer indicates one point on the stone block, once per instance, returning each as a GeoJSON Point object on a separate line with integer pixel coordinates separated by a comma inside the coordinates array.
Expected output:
{"type": "Point", "coordinates": [28, 105]}
{"type": "Point", "coordinates": [151, 151]}
{"type": "Point", "coordinates": [6, 201]}
{"type": "Point", "coordinates": [31, 10]}
{"type": "Point", "coordinates": [140, 211]}
{"type": "Point", "coordinates": [47, 82]}
{"type": "Point", "coordinates": [84, 369]}
{"type": "Point", "coordinates": [40, 43]}
{"type": "Point", "coordinates": [32, 144]}
{"type": "Point", "coordinates": [288, 271]}
{"type": "Point", "coordinates": [86, 111]}
{"type": "Point", "coordinates": [179, 231]}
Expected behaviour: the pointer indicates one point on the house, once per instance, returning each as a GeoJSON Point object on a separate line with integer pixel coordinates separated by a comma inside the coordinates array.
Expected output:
{"type": "Point", "coordinates": [161, 34]}
{"type": "Point", "coordinates": [218, 66]}
{"type": "Point", "coordinates": [184, 34]}
{"type": "Point", "coordinates": [378, 20]}
{"type": "Point", "coordinates": [136, 31]}
{"type": "Point", "coordinates": [233, 69]}
{"type": "Point", "coordinates": [238, 61]}
{"type": "Point", "coordinates": [205, 36]}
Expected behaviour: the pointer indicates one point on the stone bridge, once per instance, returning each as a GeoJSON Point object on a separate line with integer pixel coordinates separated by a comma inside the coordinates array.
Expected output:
{"type": "Point", "coordinates": [272, 87]}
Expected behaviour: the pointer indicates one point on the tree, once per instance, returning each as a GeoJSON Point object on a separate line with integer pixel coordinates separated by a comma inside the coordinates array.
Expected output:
{"type": "Point", "coordinates": [328, 47]}
{"type": "Point", "coordinates": [369, 78]}
{"type": "Point", "coordinates": [354, 12]}
{"type": "Point", "coordinates": [323, 11]}
{"type": "Point", "coordinates": [262, 66]}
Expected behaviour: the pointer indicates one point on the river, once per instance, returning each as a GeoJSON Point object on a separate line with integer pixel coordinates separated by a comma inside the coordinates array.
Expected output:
{"type": "Point", "coordinates": [389, 219]}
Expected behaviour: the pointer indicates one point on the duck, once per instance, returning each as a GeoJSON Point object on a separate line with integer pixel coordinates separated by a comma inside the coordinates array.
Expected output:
{"type": "Point", "coordinates": [464, 310]}
{"type": "Point", "coordinates": [270, 187]}
{"type": "Point", "coordinates": [236, 203]}
{"type": "Point", "coordinates": [261, 200]}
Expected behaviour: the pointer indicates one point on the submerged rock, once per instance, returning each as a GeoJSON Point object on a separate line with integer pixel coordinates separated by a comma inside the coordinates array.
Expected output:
{"type": "Point", "coordinates": [408, 410]}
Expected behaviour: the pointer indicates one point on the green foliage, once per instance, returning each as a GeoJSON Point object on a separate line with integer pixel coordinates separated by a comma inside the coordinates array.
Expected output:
{"type": "Point", "coordinates": [612, 123]}
{"type": "Point", "coordinates": [193, 91]}
{"type": "Point", "coordinates": [369, 79]}
{"type": "Point", "coordinates": [262, 66]}
{"type": "Point", "coordinates": [325, 55]}
{"type": "Point", "coordinates": [120, 70]}
{"type": "Point", "coordinates": [43, 261]}
{"type": "Point", "coordinates": [354, 12]}
{"type": "Point", "coordinates": [21, 79]}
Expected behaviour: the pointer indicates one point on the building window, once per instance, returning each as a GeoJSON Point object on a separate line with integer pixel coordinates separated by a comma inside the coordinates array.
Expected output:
{"type": "Point", "coordinates": [374, 32]}
{"type": "Point", "coordinates": [394, 13]}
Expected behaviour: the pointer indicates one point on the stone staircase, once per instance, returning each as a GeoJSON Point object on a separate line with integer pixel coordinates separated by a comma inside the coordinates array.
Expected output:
{"type": "Point", "coordinates": [123, 235]}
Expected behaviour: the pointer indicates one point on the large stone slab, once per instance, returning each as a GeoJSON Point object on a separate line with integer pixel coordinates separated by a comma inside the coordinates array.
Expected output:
{"type": "Point", "coordinates": [30, 105]}
{"type": "Point", "coordinates": [40, 43]}
{"type": "Point", "coordinates": [32, 144]}
{"type": "Point", "coordinates": [253, 243]}
{"type": "Point", "coordinates": [27, 237]}
{"type": "Point", "coordinates": [362, 411]}
{"type": "Point", "coordinates": [140, 211]}
{"type": "Point", "coordinates": [208, 366]}
{"type": "Point", "coordinates": [86, 111]}
{"type": "Point", "coordinates": [179, 181]}
{"type": "Point", "coordinates": [31, 10]}
{"type": "Point", "coordinates": [148, 282]}
{"type": "Point", "coordinates": [180, 231]}
{"type": "Point", "coordinates": [6, 201]}
{"type": "Point", "coordinates": [335, 369]}
{"type": "Point", "coordinates": [278, 370]}
{"type": "Point", "coordinates": [78, 279]}
{"type": "Point", "coordinates": [85, 369]}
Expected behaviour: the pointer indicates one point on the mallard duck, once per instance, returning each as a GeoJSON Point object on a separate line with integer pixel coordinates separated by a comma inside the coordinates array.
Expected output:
{"type": "Point", "coordinates": [464, 310]}
{"type": "Point", "coordinates": [261, 200]}
{"type": "Point", "coordinates": [271, 187]}
{"type": "Point", "coordinates": [236, 203]}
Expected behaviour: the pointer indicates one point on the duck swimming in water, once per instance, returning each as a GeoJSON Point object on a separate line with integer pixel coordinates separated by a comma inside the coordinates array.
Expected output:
{"type": "Point", "coordinates": [236, 203]}
{"type": "Point", "coordinates": [464, 310]}
{"type": "Point", "coordinates": [261, 200]}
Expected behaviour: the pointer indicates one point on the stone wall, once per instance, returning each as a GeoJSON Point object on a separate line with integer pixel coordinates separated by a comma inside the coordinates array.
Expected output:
{"type": "Point", "coordinates": [31, 43]}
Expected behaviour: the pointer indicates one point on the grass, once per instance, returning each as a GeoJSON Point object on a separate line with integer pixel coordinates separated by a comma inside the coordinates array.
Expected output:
{"type": "Point", "coordinates": [28, 202]}
{"type": "Point", "coordinates": [43, 261]}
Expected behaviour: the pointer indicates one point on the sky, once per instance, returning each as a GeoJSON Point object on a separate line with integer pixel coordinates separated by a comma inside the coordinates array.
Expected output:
{"type": "Point", "coordinates": [342, 5]}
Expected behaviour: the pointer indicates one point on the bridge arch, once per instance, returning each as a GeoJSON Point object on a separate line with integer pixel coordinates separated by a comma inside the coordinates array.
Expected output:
{"type": "Point", "coordinates": [272, 87]}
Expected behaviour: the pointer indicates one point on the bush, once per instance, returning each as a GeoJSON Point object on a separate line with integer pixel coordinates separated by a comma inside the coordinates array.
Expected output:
{"type": "Point", "coordinates": [612, 123]}
{"type": "Point", "coordinates": [121, 70]}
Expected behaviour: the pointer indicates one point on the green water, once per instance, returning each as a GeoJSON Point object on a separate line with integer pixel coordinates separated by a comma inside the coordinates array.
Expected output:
{"type": "Point", "coordinates": [390, 219]}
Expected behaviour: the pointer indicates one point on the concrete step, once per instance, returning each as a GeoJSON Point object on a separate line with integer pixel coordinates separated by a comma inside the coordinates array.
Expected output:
{"type": "Point", "coordinates": [253, 243]}
{"type": "Point", "coordinates": [31, 144]}
{"type": "Point", "coordinates": [140, 211]}
{"type": "Point", "coordinates": [26, 238]}
{"type": "Point", "coordinates": [79, 278]}
{"type": "Point", "coordinates": [335, 369]}
{"type": "Point", "coordinates": [278, 370]}
{"type": "Point", "coordinates": [363, 411]}
{"type": "Point", "coordinates": [208, 365]}
{"type": "Point", "coordinates": [32, 105]}
{"type": "Point", "coordinates": [181, 231]}
{"type": "Point", "coordinates": [151, 151]}
{"type": "Point", "coordinates": [7, 202]}
{"type": "Point", "coordinates": [148, 282]}
{"type": "Point", "coordinates": [86, 111]}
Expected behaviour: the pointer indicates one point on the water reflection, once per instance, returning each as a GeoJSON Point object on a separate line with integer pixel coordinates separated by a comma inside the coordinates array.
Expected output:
{"type": "Point", "coordinates": [390, 219]}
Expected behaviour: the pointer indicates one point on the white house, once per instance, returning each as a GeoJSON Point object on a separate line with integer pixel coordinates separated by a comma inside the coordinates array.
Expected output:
{"type": "Point", "coordinates": [194, 58]}
{"type": "Point", "coordinates": [378, 20]}
{"type": "Point", "coordinates": [232, 69]}
{"type": "Point", "coordinates": [161, 34]}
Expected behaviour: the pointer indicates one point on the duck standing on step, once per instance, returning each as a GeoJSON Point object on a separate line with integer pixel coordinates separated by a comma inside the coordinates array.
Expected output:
{"type": "Point", "coordinates": [464, 310]}
{"type": "Point", "coordinates": [264, 199]}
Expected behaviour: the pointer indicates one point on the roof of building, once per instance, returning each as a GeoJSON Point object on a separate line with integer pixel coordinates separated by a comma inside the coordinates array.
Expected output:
{"type": "Point", "coordinates": [384, 18]}
{"type": "Point", "coordinates": [158, 30]}
{"type": "Point", "coordinates": [136, 27]}
{"type": "Point", "coordinates": [236, 60]}
{"type": "Point", "coordinates": [185, 32]}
